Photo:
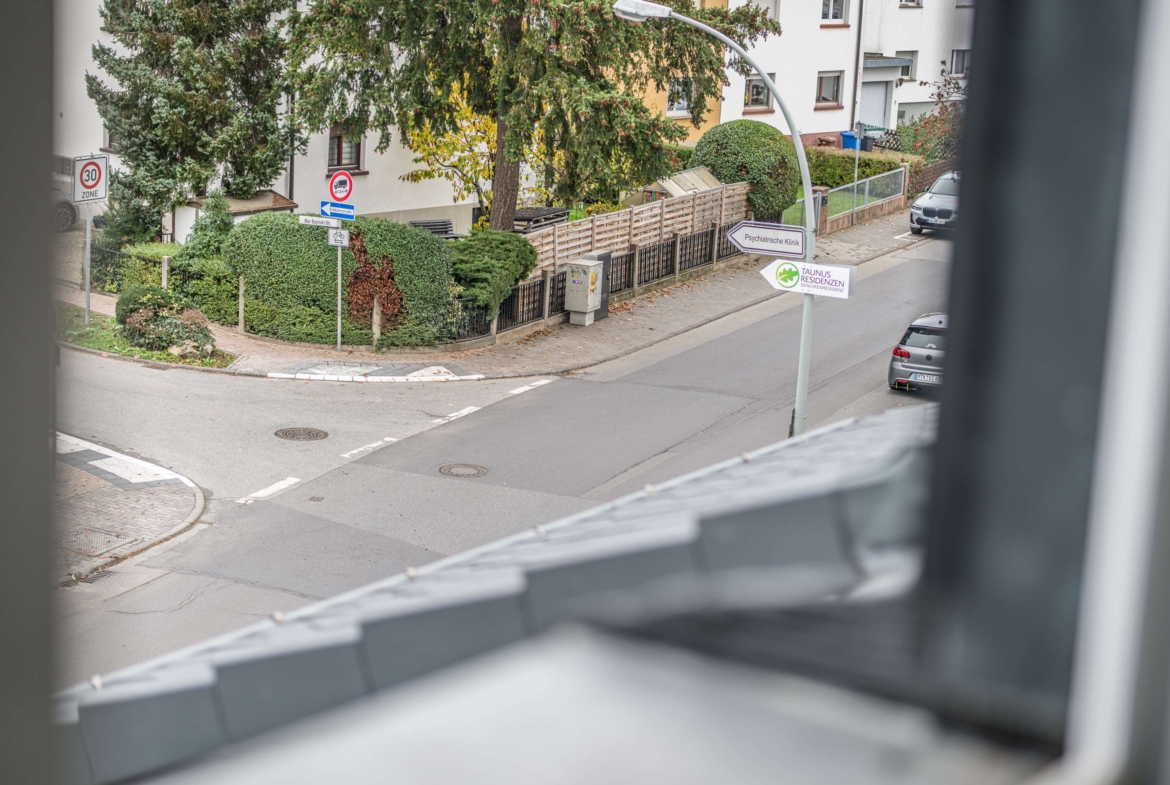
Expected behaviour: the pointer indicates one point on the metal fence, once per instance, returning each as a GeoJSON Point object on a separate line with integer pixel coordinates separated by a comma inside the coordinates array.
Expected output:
{"type": "Point", "coordinates": [694, 250]}
{"type": "Point", "coordinates": [466, 320]}
{"type": "Point", "coordinates": [865, 192]}
{"type": "Point", "coordinates": [726, 247]}
{"type": "Point", "coordinates": [556, 293]}
{"type": "Point", "coordinates": [108, 267]}
{"type": "Point", "coordinates": [655, 262]}
{"type": "Point", "coordinates": [523, 306]}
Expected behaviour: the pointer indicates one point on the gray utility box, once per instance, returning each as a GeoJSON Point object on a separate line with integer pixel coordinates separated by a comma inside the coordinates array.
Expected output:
{"type": "Point", "coordinates": [606, 258]}
{"type": "Point", "coordinates": [583, 283]}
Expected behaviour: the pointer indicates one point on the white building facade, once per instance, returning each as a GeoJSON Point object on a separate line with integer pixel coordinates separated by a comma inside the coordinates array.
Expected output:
{"type": "Point", "coordinates": [838, 62]}
{"type": "Point", "coordinates": [378, 187]}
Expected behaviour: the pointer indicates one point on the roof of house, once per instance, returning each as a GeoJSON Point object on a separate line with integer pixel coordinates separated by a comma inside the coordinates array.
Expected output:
{"type": "Point", "coordinates": [795, 520]}
{"type": "Point", "coordinates": [263, 202]}
{"type": "Point", "coordinates": [689, 181]}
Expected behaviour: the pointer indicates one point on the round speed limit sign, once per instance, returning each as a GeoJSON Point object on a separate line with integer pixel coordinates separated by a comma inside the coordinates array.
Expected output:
{"type": "Point", "coordinates": [90, 183]}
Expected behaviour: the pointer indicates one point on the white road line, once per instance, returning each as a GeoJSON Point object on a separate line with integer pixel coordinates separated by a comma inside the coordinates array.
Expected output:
{"type": "Point", "coordinates": [271, 490]}
{"type": "Point", "coordinates": [320, 377]}
{"type": "Point", "coordinates": [528, 387]}
{"type": "Point", "coordinates": [903, 237]}
{"type": "Point", "coordinates": [457, 415]}
{"type": "Point", "coordinates": [368, 447]}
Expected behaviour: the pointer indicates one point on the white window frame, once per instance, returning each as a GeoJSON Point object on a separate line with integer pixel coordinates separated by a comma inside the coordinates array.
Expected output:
{"type": "Point", "coordinates": [909, 54]}
{"type": "Point", "coordinates": [747, 92]}
{"type": "Point", "coordinates": [771, 6]}
{"type": "Point", "coordinates": [829, 7]}
{"type": "Point", "coordinates": [840, 87]}
{"type": "Point", "coordinates": [677, 110]}
{"type": "Point", "coordinates": [965, 56]}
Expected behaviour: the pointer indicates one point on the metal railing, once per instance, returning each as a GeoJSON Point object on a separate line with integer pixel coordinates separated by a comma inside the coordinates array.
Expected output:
{"type": "Point", "coordinates": [863, 193]}
{"type": "Point", "coordinates": [556, 293]}
{"type": "Point", "coordinates": [107, 266]}
{"type": "Point", "coordinates": [694, 250]}
{"type": "Point", "coordinates": [523, 306]}
{"type": "Point", "coordinates": [655, 262]}
{"type": "Point", "coordinates": [621, 272]}
{"type": "Point", "coordinates": [466, 320]}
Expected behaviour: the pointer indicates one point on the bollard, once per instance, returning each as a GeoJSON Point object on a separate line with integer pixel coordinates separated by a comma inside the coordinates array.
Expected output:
{"type": "Point", "coordinates": [166, 266]}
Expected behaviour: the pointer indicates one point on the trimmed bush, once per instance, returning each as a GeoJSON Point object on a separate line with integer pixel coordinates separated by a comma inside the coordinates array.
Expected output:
{"type": "Point", "coordinates": [489, 263]}
{"type": "Point", "coordinates": [211, 229]}
{"type": "Point", "coordinates": [682, 156]}
{"type": "Point", "coordinates": [156, 319]}
{"type": "Point", "coordinates": [834, 167]}
{"type": "Point", "coordinates": [212, 286]}
{"type": "Point", "coordinates": [290, 279]}
{"type": "Point", "coordinates": [754, 152]}
{"type": "Point", "coordinates": [145, 266]}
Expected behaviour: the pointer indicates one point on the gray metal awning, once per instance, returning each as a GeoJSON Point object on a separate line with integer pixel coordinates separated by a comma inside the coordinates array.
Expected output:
{"type": "Point", "coordinates": [887, 62]}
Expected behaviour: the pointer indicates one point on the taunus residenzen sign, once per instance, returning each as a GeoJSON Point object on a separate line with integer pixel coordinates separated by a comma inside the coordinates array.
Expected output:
{"type": "Point", "coordinates": [825, 280]}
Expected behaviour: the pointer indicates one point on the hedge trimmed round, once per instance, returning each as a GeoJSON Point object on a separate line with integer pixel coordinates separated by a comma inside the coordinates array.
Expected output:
{"type": "Point", "coordinates": [755, 152]}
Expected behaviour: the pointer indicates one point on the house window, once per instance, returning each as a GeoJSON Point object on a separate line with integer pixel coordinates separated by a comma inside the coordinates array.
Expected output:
{"type": "Point", "coordinates": [343, 153]}
{"type": "Point", "coordinates": [829, 88]}
{"type": "Point", "coordinates": [757, 95]}
{"type": "Point", "coordinates": [772, 7]}
{"type": "Point", "coordinates": [833, 10]}
{"type": "Point", "coordinates": [960, 61]}
{"type": "Point", "coordinates": [108, 141]}
{"type": "Point", "coordinates": [909, 71]}
{"type": "Point", "coordinates": [62, 165]}
{"type": "Point", "coordinates": [678, 97]}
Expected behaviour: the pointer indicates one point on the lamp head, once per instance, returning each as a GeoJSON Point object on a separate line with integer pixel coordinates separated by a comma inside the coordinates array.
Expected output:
{"type": "Point", "coordinates": [640, 11]}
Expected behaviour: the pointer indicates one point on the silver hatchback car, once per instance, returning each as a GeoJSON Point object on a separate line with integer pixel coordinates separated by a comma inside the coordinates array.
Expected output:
{"type": "Point", "coordinates": [917, 363]}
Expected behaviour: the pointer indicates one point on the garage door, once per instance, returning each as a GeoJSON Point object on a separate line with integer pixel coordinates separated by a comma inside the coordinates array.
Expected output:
{"type": "Point", "coordinates": [873, 103]}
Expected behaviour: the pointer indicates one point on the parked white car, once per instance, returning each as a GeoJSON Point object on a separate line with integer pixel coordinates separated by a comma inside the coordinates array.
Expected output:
{"type": "Point", "coordinates": [938, 208]}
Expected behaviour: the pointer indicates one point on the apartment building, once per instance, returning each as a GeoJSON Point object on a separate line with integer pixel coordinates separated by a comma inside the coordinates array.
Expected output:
{"type": "Point", "coordinates": [378, 189]}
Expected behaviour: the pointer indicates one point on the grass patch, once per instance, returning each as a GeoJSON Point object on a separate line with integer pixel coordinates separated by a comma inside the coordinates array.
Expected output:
{"type": "Point", "coordinates": [104, 335]}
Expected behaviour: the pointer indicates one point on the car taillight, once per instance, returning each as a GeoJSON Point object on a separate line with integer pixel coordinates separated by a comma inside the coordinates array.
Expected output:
{"type": "Point", "coordinates": [901, 353]}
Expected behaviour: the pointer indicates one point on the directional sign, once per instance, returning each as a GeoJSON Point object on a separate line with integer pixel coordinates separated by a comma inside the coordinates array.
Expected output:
{"type": "Point", "coordinates": [341, 186]}
{"type": "Point", "coordinates": [339, 237]}
{"type": "Point", "coordinates": [768, 239]}
{"type": "Point", "coordinates": [312, 220]}
{"type": "Point", "coordinates": [91, 178]}
{"type": "Point", "coordinates": [335, 210]}
{"type": "Point", "coordinates": [804, 278]}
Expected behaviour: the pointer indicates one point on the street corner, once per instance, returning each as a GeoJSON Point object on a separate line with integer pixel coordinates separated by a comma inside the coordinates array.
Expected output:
{"type": "Point", "coordinates": [107, 506]}
{"type": "Point", "coordinates": [374, 372]}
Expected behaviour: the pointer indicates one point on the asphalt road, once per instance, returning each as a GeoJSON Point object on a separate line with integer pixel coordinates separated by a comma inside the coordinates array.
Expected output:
{"type": "Point", "coordinates": [363, 507]}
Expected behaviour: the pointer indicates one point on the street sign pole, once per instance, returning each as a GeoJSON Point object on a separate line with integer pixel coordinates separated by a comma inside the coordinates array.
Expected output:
{"type": "Point", "coordinates": [88, 242]}
{"type": "Point", "coordinates": [635, 11]}
{"type": "Point", "coordinates": [339, 298]}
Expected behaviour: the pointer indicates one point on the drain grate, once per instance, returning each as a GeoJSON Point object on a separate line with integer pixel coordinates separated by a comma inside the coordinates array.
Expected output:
{"type": "Point", "coordinates": [462, 470]}
{"type": "Point", "coordinates": [95, 577]}
{"type": "Point", "coordinates": [302, 434]}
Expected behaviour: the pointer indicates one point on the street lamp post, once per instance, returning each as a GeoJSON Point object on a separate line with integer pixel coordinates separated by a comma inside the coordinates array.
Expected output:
{"type": "Point", "coordinates": [640, 11]}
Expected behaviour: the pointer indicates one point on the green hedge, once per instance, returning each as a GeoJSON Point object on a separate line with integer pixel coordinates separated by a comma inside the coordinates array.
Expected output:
{"type": "Point", "coordinates": [290, 279]}
{"type": "Point", "coordinates": [683, 156]}
{"type": "Point", "coordinates": [833, 167]}
{"type": "Point", "coordinates": [489, 263]}
{"type": "Point", "coordinates": [755, 152]}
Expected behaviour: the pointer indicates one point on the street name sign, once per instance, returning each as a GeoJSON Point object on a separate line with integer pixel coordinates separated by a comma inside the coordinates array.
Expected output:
{"type": "Point", "coordinates": [91, 178]}
{"type": "Point", "coordinates": [339, 237]}
{"type": "Point", "coordinates": [768, 239]}
{"type": "Point", "coordinates": [312, 220]}
{"type": "Point", "coordinates": [335, 210]}
{"type": "Point", "coordinates": [825, 280]}
{"type": "Point", "coordinates": [341, 186]}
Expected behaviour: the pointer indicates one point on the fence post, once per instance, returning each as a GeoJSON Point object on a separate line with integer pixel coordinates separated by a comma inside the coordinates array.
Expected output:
{"type": "Point", "coordinates": [240, 329]}
{"type": "Point", "coordinates": [495, 326]}
{"type": "Point", "coordinates": [377, 318]}
{"type": "Point", "coordinates": [661, 219]}
{"type": "Point", "coordinates": [546, 287]}
{"type": "Point", "coordinates": [674, 251]}
{"type": "Point", "coordinates": [714, 242]}
{"type": "Point", "coordinates": [821, 195]}
{"type": "Point", "coordinates": [634, 271]}
{"type": "Point", "coordinates": [556, 247]}
{"type": "Point", "coordinates": [867, 192]}
{"type": "Point", "coordinates": [722, 202]}
{"type": "Point", "coordinates": [166, 266]}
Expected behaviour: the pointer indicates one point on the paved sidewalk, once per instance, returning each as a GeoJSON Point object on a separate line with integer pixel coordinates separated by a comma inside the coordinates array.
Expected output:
{"type": "Point", "coordinates": [632, 325]}
{"type": "Point", "coordinates": [107, 505]}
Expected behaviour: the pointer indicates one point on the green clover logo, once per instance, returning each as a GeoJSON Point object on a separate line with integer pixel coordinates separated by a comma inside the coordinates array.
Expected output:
{"type": "Point", "coordinates": [788, 275]}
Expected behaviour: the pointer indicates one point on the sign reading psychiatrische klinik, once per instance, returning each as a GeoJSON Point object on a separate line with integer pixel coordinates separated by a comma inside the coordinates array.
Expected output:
{"type": "Point", "coordinates": [803, 278]}
{"type": "Point", "coordinates": [768, 238]}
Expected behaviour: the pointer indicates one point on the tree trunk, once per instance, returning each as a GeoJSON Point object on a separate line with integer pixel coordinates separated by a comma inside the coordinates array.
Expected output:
{"type": "Point", "coordinates": [505, 183]}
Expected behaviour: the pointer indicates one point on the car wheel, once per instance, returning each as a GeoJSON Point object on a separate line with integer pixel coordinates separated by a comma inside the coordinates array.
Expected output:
{"type": "Point", "coordinates": [64, 216]}
{"type": "Point", "coordinates": [915, 230]}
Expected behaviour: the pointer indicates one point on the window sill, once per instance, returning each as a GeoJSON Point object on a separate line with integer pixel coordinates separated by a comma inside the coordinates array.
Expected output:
{"type": "Point", "coordinates": [108, 150]}
{"type": "Point", "coordinates": [758, 110]}
{"type": "Point", "coordinates": [825, 107]}
{"type": "Point", "coordinates": [838, 25]}
{"type": "Point", "coordinates": [678, 115]}
{"type": "Point", "coordinates": [909, 5]}
{"type": "Point", "coordinates": [353, 170]}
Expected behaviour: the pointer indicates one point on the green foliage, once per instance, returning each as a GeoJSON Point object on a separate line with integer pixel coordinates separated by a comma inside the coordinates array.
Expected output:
{"type": "Point", "coordinates": [193, 94]}
{"type": "Point", "coordinates": [157, 319]}
{"type": "Point", "coordinates": [682, 157]}
{"type": "Point", "coordinates": [103, 334]}
{"type": "Point", "coordinates": [936, 136]}
{"type": "Point", "coordinates": [833, 167]}
{"type": "Point", "coordinates": [601, 208]}
{"type": "Point", "coordinates": [568, 72]}
{"type": "Point", "coordinates": [128, 219]}
{"type": "Point", "coordinates": [290, 279]}
{"type": "Point", "coordinates": [138, 298]}
{"type": "Point", "coordinates": [488, 264]}
{"type": "Point", "coordinates": [212, 286]}
{"type": "Point", "coordinates": [211, 229]}
{"type": "Point", "coordinates": [754, 152]}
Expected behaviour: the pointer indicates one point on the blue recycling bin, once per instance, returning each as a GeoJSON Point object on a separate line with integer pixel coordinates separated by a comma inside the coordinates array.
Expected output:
{"type": "Point", "coordinates": [849, 140]}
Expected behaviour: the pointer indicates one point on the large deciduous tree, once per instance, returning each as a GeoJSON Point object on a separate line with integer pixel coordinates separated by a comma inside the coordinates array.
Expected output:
{"type": "Point", "coordinates": [194, 92]}
{"type": "Point", "coordinates": [567, 69]}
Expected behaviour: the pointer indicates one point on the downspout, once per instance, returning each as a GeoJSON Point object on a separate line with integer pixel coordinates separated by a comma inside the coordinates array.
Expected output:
{"type": "Point", "coordinates": [856, 67]}
{"type": "Point", "coordinates": [292, 140]}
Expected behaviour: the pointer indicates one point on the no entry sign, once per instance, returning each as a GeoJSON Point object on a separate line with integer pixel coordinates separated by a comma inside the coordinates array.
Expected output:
{"type": "Point", "coordinates": [91, 181]}
{"type": "Point", "coordinates": [341, 186]}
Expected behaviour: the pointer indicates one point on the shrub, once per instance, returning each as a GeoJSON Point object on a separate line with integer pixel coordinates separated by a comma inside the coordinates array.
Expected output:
{"type": "Point", "coordinates": [601, 208]}
{"type": "Point", "coordinates": [754, 152]}
{"type": "Point", "coordinates": [212, 286]}
{"type": "Point", "coordinates": [128, 220]}
{"type": "Point", "coordinates": [156, 319]}
{"type": "Point", "coordinates": [834, 167]}
{"type": "Point", "coordinates": [144, 266]}
{"type": "Point", "coordinates": [290, 278]}
{"type": "Point", "coordinates": [211, 229]}
{"type": "Point", "coordinates": [489, 263]}
{"type": "Point", "coordinates": [681, 156]}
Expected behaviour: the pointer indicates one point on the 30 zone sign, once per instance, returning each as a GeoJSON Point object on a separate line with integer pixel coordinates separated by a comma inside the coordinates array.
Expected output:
{"type": "Point", "coordinates": [91, 181]}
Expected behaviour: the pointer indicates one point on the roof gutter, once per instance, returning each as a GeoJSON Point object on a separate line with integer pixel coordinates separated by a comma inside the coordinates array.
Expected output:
{"type": "Point", "coordinates": [857, 66]}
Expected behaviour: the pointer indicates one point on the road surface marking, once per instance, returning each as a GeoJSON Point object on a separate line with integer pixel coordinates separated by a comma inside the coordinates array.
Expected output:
{"type": "Point", "coordinates": [903, 237]}
{"type": "Point", "coordinates": [271, 490]}
{"type": "Point", "coordinates": [369, 447]}
{"type": "Point", "coordinates": [457, 415]}
{"type": "Point", "coordinates": [321, 377]}
{"type": "Point", "coordinates": [528, 387]}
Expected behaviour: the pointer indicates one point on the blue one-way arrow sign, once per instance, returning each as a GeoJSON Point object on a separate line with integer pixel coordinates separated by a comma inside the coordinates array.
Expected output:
{"type": "Point", "coordinates": [338, 210]}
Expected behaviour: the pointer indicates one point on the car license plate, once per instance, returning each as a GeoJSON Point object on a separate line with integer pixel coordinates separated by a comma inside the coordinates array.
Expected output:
{"type": "Point", "coordinates": [924, 377]}
{"type": "Point", "coordinates": [934, 220]}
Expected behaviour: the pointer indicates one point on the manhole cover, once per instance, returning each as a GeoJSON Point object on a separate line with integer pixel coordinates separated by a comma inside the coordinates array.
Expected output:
{"type": "Point", "coordinates": [462, 470]}
{"type": "Point", "coordinates": [301, 434]}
